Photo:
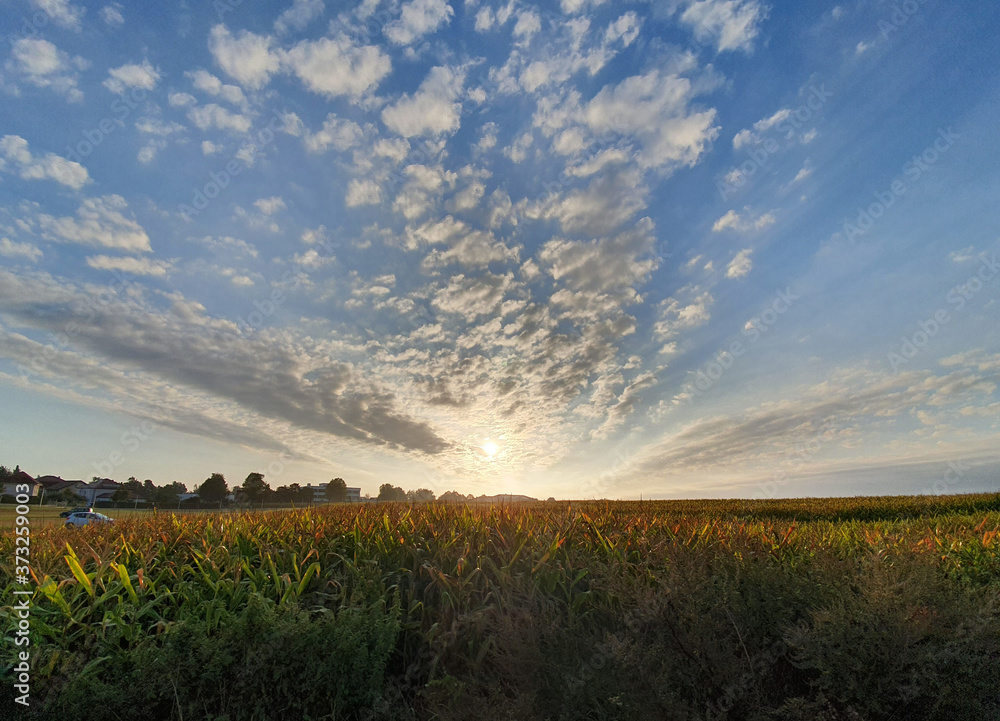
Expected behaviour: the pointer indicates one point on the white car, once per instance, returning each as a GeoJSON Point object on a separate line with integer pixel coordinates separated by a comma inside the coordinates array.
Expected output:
{"type": "Point", "coordinates": [75, 520]}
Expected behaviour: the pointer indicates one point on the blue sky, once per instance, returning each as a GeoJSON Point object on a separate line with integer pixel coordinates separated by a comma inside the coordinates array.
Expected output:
{"type": "Point", "coordinates": [580, 248]}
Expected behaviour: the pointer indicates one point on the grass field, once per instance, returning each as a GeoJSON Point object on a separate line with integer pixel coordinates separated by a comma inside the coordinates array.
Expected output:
{"type": "Point", "coordinates": [854, 609]}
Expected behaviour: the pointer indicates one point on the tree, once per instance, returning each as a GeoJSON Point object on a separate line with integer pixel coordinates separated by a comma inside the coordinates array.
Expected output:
{"type": "Point", "coordinates": [168, 495]}
{"type": "Point", "coordinates": [389, 492]}
{"type": "Point", "coordinates": [421, 495]}
{"type": "Point", "coordinates": [454, 497]}
{"type": "Point", "coordinates": [69, 496]}
{"type": "Point", "coordinates": [336, 491]}
{"type": "Point", "coordinates": [120, 495]}
{"type": "Point", "coordinates": [255, 488]}
{"type": "Point", "coordinates": [214, 489]}
{"type": "Point", "coordinates": [133, 486]}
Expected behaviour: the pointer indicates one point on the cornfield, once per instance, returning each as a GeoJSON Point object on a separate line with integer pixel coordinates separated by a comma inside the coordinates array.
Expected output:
{"type": "Point", "coordinates": [878, 608]}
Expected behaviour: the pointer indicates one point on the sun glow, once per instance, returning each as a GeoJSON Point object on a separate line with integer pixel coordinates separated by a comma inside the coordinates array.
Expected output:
{"type": "Point", "coordinates": [490, 449]}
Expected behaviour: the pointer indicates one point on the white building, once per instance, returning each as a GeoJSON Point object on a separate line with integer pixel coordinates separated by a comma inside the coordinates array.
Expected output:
{"type": "Point", "coordinates": [319, 493]}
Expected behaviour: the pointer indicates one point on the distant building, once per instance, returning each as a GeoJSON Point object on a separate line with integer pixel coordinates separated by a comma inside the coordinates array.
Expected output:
{"type": "Point", "coordinates": [18, 479]}
{"type": "Point", "coordinates": [100, 490]}
{"type": "Point", "coordinates": [319, 493]}
{"type": "Point", "coordinates": [52, 485]}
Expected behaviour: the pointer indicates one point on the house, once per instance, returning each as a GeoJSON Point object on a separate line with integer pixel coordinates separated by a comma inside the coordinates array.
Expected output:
{"type": "Point", "coordinates": [52, 485]}
{"type": "Point", "coordinates": [100, 490]}
{"type": "Point", "coordinates": [21, 479]}
{"type": "Point", "coordinates": [319, 493]}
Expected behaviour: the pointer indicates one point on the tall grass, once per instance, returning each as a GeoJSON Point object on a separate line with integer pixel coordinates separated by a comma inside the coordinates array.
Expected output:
{"type": "Point", "coordinates": [826, 608]}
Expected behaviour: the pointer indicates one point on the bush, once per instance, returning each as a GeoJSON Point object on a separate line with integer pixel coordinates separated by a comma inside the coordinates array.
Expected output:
{"type": "Point", "coordinates": [269, 662]}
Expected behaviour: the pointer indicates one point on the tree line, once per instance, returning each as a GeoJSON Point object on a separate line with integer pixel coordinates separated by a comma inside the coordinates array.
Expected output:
{"type": "Point", "coordinates": [213, 489]}
{"type": "Point", "coordinates": [389, 492]}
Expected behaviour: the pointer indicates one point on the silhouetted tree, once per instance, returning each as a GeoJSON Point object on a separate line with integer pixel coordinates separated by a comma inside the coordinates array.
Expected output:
{"type": "Point", "coordinates": [336, 490]}
{"type": "Point", "coordinates": [214, 489]}
{"type": "Point", "coordinates": [255, 488]}
{"type": "Point", "coordinates": [389, 492]}
{"type": "Point", "coordinates": [421, 495]}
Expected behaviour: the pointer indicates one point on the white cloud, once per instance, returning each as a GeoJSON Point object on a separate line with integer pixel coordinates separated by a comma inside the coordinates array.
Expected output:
{"type": "Point", "coordinates": [247, 57]}
{"type": "Point", "coordinates": [143, 76]}
{"type": "Point", "coordinates": [964, 255]}
{"type": "Point", "coordinates": [336, 66]}
{"type": "Point", "coordinates": [605, 265]}
{"type": "Point", "coordinates": [432, 110]}
{"type": "Point", "coordinates": [42, 64]}
{"type": "Point", "coordinates": [363, 192]}
{"type": "Point", "coordinates": [418, 18]}
{"type": "Point", "coordinates": [473, 297]}
{"type": "Point", "coordinates": [395, 149]}
{"type": "Point", "coordinates": [312, 259]}
{"type": "Point", "coordinates": [14, 148]}
{"type": "Point", "coordinates": [147, 153]}
{"type": "Point", "coordinates": [270, 206]}
{"type": "Point", "coordinates": [210, 148]}
{"type": "Point", "coordinates": [686, 310]}
{"type": "Point", "coordinates": [132, 266]}
{"type": "Point", "coordinates": [10, 249]}
{"type": "Point", "coordinates": [570, 47]}
{"type": "Point", "coordinates": [152, 126]}
{"type": "Point", "coordinates": [625, 28]}
{"type": "Point", "coordinates": [487, 19]}
{"type": "Point", "coordinates": [216, 116]}
{"type": "Point", "coordinates": [101, 222]}
{"type": "Point", "coordinates": [112, 15]}
{"type": "Point", "coordinates": [208, 83]}
{"type": "Point", "coordinates": [741, 265]}
{"type": "Point", "coordinates": [62, 12]}
{"type": "Point", "coordinates": [422, 189]}
{"type": "Point", "coordinates": [730, 24]}
{"type": "Point", "coordinates": [300, 14]}
{"type": "Point", "coordinates": [518, 150]}
{"type": "Point", "coordinates": [336, 132]}
{"type": "Point", "coordinates": [748, 137]}
{"type": "Point", "coordinates": [575, 6]}
{"type": "Point", "coordinates": [743, 223]}
{"type": "Point", "coordinates": [181, 100]}
{"type": "Point", "coordinates": [606, 204]}
{"type": "Point", "coordinates": [654, 108]}
{"type": "Point", "coordinates": [528, 24]}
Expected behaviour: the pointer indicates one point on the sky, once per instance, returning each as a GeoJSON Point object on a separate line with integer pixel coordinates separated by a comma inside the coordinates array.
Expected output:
{"type": "Point", "coordinates": [581, 249]}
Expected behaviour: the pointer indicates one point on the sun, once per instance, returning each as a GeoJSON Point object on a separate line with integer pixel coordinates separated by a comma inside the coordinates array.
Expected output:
{"type": "Point", "coordinates": [490, 448]}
